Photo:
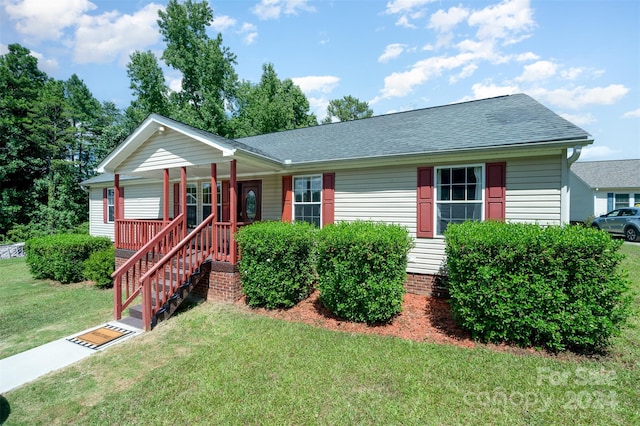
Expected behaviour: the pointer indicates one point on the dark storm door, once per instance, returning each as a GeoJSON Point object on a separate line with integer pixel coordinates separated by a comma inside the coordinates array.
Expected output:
{"type": "Point", "coordinates": [250, 203]}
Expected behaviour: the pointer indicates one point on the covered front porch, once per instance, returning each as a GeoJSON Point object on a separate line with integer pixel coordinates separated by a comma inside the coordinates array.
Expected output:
{"type": "Point", "coordinates": [159, 258]}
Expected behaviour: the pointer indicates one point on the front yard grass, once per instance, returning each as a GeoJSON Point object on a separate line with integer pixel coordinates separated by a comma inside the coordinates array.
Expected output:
{"type": "Point", "coordinates": [34, 312]}
{"type": "Point", "coordinates": [215, 364]}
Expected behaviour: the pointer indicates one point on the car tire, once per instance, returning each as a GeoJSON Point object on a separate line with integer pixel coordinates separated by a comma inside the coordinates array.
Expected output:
{"type": "Point", "coordinates": [594, 226]}
{"type": "Point", "coordinates": [631, 234]}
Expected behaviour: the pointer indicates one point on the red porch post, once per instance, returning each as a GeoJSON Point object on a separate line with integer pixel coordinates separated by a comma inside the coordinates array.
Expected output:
{"type": "Point", "coordinates": [233, 201]}
{"type": "Point", "coordinates": [183, 199]}
{"type": "Point", "coordinates": [214, 191]}
{"type": "Point", "coordinates": [165, 194]}
{"type": "Point", "coordinates": [116, 208]}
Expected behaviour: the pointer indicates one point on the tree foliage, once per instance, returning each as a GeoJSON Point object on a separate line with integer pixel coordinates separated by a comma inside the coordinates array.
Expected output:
{"type": "Point", "coordinates": [148, 85]}
{"type": "Point", "coordinates": [209, 79]}
{"type": "Point", "coordinates": [270, 106]}
{"type": "Point", "coordinates": [347, 108]}
{"type": "Point", "coordinates": [53, 133]}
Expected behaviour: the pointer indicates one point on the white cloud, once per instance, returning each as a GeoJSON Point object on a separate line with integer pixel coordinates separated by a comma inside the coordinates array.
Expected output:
{"type": "Point", "coordinates": [528, 56]}
{"type": "Point", "coordinates": [592, 152]}
{"type": "Point", "coordinates": [632, 114]}
{"type": "Point", "coordinates": [392, 51]}
{"type": "Point", "coordinates": [538, 71]}
{"type": "Point", "coordinates": [467, 71]}
{"type": "Point", "coordinates": [46, 20]}
{"type": "Point", "coordinates": [579, 119]}
{"type": "Point", "coordinates": [249, 31]}
{"type": "Point", "coordinates": [483, 91]}
{"type": "Point", "coordinates": [405, 6]}
{"type": "Point", "coordinates": [316, 83]}
{"type": "Point", "coordinates": [318, 106]}
{"type": "Point", "coordinates": [578, 97]}
{"type": "Point", "coordinates": [272, 9]}
{"type": "Point", "coordinates": [48, 65]}
{"type": "Point", "coordinates": [503, 21]}
{"type": "Point", "coordinates": [445, 21]}
{"type": "Point", "coordinates": [111, 36]}
{"type": "Point", "coordinates": [403, 21]}
{"type": "Point", "coordinates": [222, 23]}
{"type": "Point", "coordinates": [4, 49]}
{"type": "Point", "coordinates": [400, 84]}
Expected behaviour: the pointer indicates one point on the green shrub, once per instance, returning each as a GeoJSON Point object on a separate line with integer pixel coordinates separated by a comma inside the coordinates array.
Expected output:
{"type": "Point", "coordinates": [553, 287]}
{"type": "Point", "coordinates": [61, 256]}
{"type": "Point", "coordinates": [276, 267]}
{"type": "Point", "coordinates": [362, 269]}
{"type": "Point", "coordinates": [99, 267]}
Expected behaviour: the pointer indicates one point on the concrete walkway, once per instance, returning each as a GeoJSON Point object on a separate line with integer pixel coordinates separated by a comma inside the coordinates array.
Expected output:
{"type": "Point", "coordinates": [27, 366]}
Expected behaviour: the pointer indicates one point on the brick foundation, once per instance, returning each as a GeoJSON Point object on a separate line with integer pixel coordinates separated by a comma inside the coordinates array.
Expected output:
{"type": "Point", "coordinates": [428, 285]}
{"type": "Point", "coordinates": [224, 282]}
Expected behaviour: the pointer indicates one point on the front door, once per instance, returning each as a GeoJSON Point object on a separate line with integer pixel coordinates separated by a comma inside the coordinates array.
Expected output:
{"type": "Point", "coordinates": [250, 202]}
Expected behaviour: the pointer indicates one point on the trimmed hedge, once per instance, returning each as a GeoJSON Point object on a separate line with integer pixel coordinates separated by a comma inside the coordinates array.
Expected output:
{"type": "Point", "coordinates": [61, 257]}
{"type": "Point", "coordinates": [99, 267]}
{"type": "Point", "coordinates": [276, 267]}
{"type": "Point", "coordinates": [553, 287]}
{"type": "Point", "coordinates": [362, 269]}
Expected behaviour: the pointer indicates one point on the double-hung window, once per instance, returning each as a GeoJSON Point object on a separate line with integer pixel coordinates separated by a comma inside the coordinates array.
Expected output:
{"type": "Point", "coordinates": [206, 200]}
{"type": "Point", "coordinates": [192, 204]}
{"type": "Point", "coordinates": [307, 199]}
{"type": "Point", "coordinates": [459, 195]}
{"type": "Point", "coordinates": [111, 204]}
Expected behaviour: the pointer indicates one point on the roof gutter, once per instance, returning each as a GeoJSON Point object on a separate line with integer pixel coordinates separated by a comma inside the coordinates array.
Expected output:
{"type": "Point", "coordinates": [574, 155]}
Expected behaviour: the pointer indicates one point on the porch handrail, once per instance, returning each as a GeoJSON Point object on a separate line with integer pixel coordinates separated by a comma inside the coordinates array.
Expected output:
{"type": "Point", "coordinates": [135, 233]}
{"type": "Point", "coordinates": [136, 265]}
{"type": "Point", "coordinates": [176, 266]}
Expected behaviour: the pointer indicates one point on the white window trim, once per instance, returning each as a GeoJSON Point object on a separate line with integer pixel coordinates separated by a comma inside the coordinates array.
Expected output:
{"type": "Point", "coordinates": [111, 191]}
{"type": "Point", "coordinates": [436, 193]}
{"type": "Point", "coordinates": [293, 195]}
{"type": "Point", "coordinates": [201, 200]}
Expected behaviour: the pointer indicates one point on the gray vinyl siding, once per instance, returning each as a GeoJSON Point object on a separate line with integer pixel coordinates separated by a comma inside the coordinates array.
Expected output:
{"type": "Point", "coordinates": [534, 190]}
{"type": "Point", "coordinates": [97, 227]}
{"type": "Point", "coordinates": [171, 150]}
{"type": "Point", "coordinates": [582, 199]}
{"type": "Point", "coordinates": [389, 195]}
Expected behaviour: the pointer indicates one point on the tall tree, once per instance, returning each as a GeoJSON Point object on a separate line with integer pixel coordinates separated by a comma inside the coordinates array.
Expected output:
{"type": "Point", "coordinates": [209, 79]}
{"type": "Point", "coordinates": [270, 106]}
{"type": "Point", "coordinates": [347, 108]}
{"type": "Point", "coordinates": [83, 111]}
{"type": "Point", "coordinates": [151, 94]}
{"type": "Point", "coordinates": [21, 158]}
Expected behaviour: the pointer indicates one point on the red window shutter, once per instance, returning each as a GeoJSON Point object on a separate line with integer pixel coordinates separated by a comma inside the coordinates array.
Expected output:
{"type": "Point", "coordinates": [226, 202]}
{"type": "Point", "coordinates": [495, 192]}
{"type": "Point", "coordinates": [105, 206]}
{"type": "Point", "coordinates": [287, 198]}
{"type": "Point", "coordinates": [424, 228]}
{"type": "Point", "coordinates": [121, 204]}
{"type": "Point", "coordinates": [328, 198]}
{"type": "Point", "coordinates": [176, 200]}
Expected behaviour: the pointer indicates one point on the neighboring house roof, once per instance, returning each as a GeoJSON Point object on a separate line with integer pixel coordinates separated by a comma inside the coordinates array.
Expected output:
{"type": "Point", "coordinates": [609, 174]}
{"type": "Point", "coordinates": [487, 123]}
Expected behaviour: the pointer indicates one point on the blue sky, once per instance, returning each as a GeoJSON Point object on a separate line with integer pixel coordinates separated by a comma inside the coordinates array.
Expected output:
{"type": "Point", "coordinates": [579, 58]}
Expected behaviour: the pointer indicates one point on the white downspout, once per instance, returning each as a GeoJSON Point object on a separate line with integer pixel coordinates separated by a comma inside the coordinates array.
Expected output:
{"type": "Point", "coordinates": [565, 199]}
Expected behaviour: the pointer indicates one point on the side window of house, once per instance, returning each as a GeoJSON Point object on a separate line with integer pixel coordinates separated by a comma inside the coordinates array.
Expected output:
{"type": "Point", "coordinates": [192, 204]}
{"type": "Point", "coordinates": [111, 204]}
{"type": "Point", "coordinates": [621, 200]}
{"type": "Point", "coordinates": [636, 200]}
{"type": "Point", "coordinates": [219, 201]}
{"type": "Point", "coordinates": [459, 195]}
{"type": "Point", "coordinates": [307, 199]}
{"type": "Point", "coordinates": [206, 200]}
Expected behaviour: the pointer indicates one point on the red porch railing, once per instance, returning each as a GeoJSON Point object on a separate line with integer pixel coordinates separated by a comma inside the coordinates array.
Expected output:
{"type": "Point", "coordinates": [126, 279]}
{"type": "Point", "coordinates": [166, 262]}
{"type": "Point", "coordinates": [208, 239]}
{"type": "Point", "coordinates": [133, 234]}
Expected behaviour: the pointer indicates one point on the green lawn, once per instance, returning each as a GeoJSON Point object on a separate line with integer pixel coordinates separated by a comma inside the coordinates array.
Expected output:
{"type": "Point", "coordinates": [34, 312]}
{"type": "Point", "coordinates": [216, 364]}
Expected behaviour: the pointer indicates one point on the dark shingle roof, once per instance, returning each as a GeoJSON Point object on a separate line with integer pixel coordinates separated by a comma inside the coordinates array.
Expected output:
{"type": "Point", "coordinates": [106, 178]}
{"type": "Point", "coordinates": [502, 121]}
{"type": "Point", "coordinates": [609, 174]}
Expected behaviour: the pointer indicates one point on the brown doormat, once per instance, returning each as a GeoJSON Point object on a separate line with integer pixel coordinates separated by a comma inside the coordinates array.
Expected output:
{"type": "Point", "coordinates": [100, 336]}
